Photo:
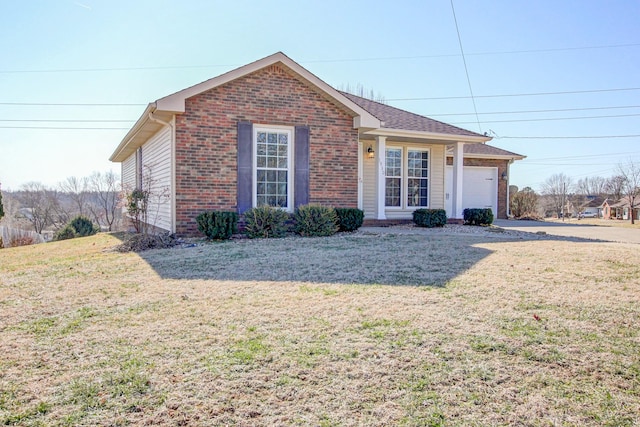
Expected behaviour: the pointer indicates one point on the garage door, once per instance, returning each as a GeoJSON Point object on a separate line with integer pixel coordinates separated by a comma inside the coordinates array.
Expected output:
{"type": "Point", "coordinates": [479, 188]}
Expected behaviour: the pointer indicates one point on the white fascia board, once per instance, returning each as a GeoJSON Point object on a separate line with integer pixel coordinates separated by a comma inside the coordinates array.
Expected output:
{"type": "Point", "coordinates": [175, 103]}
{"type": "Point", "coordinates": [133, 132]}
{"type": "Point", "coordinates": [490, 156]}
{"type": "Point", "coordinates": [402, 133]}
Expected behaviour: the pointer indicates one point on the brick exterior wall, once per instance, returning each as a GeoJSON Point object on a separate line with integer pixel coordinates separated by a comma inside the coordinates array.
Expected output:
{"type": "Point", "coordinates": [502, 184]}
{"type": "Point", "coordinates": [206, 142]}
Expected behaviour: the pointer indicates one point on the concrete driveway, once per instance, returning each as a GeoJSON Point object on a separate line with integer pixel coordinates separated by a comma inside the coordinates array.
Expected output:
{"type": "Point", "coordinates": [584, 231]}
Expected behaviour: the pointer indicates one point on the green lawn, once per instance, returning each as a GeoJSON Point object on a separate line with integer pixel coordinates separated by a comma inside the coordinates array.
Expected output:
{"type": "Point", "coordinates": [352, 330]}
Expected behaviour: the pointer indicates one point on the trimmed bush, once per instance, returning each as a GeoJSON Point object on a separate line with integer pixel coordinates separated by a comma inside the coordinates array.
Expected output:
{"type": "Point", "coordinates": [478, 216]}
{"type": "Point", "coordinates": [68, 232]}
{"type": "Point", "coordinates": [218, 225]}
{"type": "Point", "coordinates": [430, 218]}
{"type": "Point", "coordinates": [83, 226]}
{"type": "Point", "coordinates": [349, 219]}
{"type": "Point", "coordinates": [265, 222]}
{"type": "Point", "coordinates": [80, 226]}
{"type": "Point", "coordinates": [315, 221]}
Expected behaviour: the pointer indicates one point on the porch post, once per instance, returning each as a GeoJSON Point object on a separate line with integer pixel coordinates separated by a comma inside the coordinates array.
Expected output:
{"type": "Point", "coordinates": [381, 142]}
{"type": "Point", "coordinates": [458, 164]}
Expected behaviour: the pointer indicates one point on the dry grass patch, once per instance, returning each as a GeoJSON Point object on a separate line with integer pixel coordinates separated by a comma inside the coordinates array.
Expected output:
{"type": "Point", "coordinates": [484, 331]}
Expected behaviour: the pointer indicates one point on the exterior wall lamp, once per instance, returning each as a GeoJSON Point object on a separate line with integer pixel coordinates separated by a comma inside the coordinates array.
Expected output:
{"type": "Point", "coordinates": [505, 176]}
{"type": "Point", "coordinates": [371, 152]}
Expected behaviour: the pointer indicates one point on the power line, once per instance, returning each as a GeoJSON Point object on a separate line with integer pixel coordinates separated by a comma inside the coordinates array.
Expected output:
{"type": "Point", "coordinates": [60, 128]}
{"type": "Point", "coordinates": [568, 137]}
{"type": "Point", "coordinates": [63, 104]}
{"type": "Point", "coordinates": [550, 119]}
{"type": "Point", "coordinates": [311, 61]}
{"type": "Point", "coordinates": [535, 111]}
{"type": "Point", "coordinates": [516, 94]}
{"type": "Point", "coordinates": [74, 104]}
{"type": "Point", "coordinates": [66, 121]}
{"type": "Point", "coordinates": [466, 69]}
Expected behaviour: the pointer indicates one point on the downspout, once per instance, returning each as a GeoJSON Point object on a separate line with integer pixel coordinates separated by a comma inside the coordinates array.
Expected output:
{"type": "Point", "coordinates": [173, 165]}
{"type": "Point", "coordinates": [508, 185]}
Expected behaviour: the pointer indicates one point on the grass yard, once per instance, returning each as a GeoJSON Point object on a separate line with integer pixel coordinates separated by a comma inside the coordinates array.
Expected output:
{"type": "Point", "coordinates": [356, 330]}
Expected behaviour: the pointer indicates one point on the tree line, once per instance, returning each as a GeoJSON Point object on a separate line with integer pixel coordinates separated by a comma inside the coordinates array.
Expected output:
{"type": "Point", "coordinates": [41, 208]}
{"type": "Point", "coordinates": [560, 189]}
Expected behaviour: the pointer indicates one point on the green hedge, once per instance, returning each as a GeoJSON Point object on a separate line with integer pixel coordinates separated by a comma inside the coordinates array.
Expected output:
{"type": "Point", "coordinates": [315, 220]}
{"type": "Point", "coordinates": [218, 225]}
{"type": "Point", "coordinates": [266, 221]}
{"type": "Point", "coordinates": [430, 218]}
{"type": "Point", "coordinates": [349, 219]}
{"type": "Point", "coordinates": [478, 216]}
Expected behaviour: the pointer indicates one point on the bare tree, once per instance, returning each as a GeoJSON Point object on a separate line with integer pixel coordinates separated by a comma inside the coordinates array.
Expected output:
{"type": "Point", "coordinates": [38, 205]}
{"type": "Point", "coordinates": [77, 191]}
{"type": "Point", "coordinates": [1, 206]}
{"type": "Point", "coordinates": [614, 186]}
{"type": "Point", "coordinates": [591, 186]}
{"type": "Point", "coordinates": [556, 189]}
{"type": "Point", "coordinates": [106, 194]}
{"type": "Point", "coordinates": [524, 203]}
{"type": "Point", "coordinates": [630, 171]}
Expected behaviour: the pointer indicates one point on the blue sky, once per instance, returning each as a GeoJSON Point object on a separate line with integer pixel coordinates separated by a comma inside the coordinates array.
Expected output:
{"type": "Point", "coordinates": [120, 55]}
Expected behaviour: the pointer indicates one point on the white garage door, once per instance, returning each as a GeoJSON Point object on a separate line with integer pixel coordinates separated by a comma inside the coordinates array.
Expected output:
{"type": "Point", "coordinates": [479, 188]}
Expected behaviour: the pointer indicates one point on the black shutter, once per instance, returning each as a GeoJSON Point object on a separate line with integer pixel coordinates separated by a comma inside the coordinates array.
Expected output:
{"type": "Point", "coordinates": [301, 166]}
{"type": "Point", "coordinates": [245, 166]}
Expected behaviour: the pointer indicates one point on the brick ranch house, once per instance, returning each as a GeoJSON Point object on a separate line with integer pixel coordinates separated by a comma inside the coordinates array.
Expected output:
{"type": "Point", "coordinates": [273, 133]}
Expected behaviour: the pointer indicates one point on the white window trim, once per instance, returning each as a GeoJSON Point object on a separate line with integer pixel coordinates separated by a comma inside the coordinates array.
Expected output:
{"type": "Point", "coordinates": [290, 172]}
{"type": "Point", "coordinates": [405, 177]}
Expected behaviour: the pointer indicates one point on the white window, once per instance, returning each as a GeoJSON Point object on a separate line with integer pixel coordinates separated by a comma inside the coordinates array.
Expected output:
{"type": "Point", "coordinates": [273, 172]}
{"type": "Point", "coordinates": [406, 177]}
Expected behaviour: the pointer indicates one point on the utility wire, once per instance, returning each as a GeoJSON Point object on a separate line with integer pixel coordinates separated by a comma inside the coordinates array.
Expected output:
{"type": "Point", "coordinates": [466, 69]}
{"type": "Point", "coordinates": [568, 137]}
{"type": "Point", "coordinates": [62, 104]}
{"type": "Point", "coordinates": [516, 94]}
{"type": "Point", "coordinates": [66, 121]}
{"type": "Point", "coordinates": [534, 111]}
{"type": "Point", "coordinates": [549, 119]}
{"type": "Point", "coordinates": [311, 61]}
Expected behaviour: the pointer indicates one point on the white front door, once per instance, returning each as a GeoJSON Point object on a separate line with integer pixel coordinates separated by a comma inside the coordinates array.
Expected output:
{"type": "Point", "coordinates": [479, 188]}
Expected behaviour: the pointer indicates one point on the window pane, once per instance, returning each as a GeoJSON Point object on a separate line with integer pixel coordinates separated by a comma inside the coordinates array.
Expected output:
{"type": "Point", "coordinates": [272, 164]}
{"type": "Point", "coordinates": [417, 192]}
{"type": "Point", "coordinates": [392, 192]}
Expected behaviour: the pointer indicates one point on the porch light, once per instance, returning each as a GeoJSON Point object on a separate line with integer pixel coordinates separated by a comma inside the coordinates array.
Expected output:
{"type": "Point", "coordinates": [371, 152]}
{"type": "Point", "coordinates": [504, 176]}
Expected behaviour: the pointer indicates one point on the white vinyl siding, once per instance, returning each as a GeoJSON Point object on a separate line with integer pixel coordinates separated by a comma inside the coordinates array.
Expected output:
{"type": "Point", "coordinates": [129, 173]}
{"type": "Point", "coordinates": [370, 168]}
{"type": "Point", "coordinates": [156, 178]}
{"type": "Point", "coordinates": [437, 163]}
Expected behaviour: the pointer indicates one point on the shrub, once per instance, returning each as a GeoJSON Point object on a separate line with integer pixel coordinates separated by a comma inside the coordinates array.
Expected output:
{"type": "Point", "coordinates": [265, 221]}
{"type": "Point", "coordinates": [21, 240]}
{"type": "Point", "coordinates": [315, 220]}
{"type": "Point", "coordinates": [478, 216]}
{"type": "Point", "coordinates": [430, 218]}
{"type": "Point", "coordinates": [68, 232]}
{"type": "Point", "coordinates": [143, 242]}
{"type": "Point", "coordinates": [218, 225]}
{"type": "Point", "coordinates": [349, 219]}
{"type": "Point", "coordinates": [79, 226]}
{"type": "Point", "coordinates": [83, 226]}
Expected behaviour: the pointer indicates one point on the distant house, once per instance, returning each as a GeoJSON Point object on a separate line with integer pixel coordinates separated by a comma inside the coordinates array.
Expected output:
{"type": "Point", "coordinates": [272, 133]}
{"type": "Point", "coordinates": [593, 205]}
{"type": "Point", "coordinates": [623, 210]}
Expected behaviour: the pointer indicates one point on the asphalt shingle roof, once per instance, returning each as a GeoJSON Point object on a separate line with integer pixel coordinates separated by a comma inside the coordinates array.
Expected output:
{"type": "Point", "coordinates": [395, 118]}
{"type": "Point", "coordinates": [488, 150]}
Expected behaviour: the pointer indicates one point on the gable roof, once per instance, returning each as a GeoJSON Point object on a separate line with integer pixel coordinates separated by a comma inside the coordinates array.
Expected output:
{"type": "Point", "coordinates": [368, 116]}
